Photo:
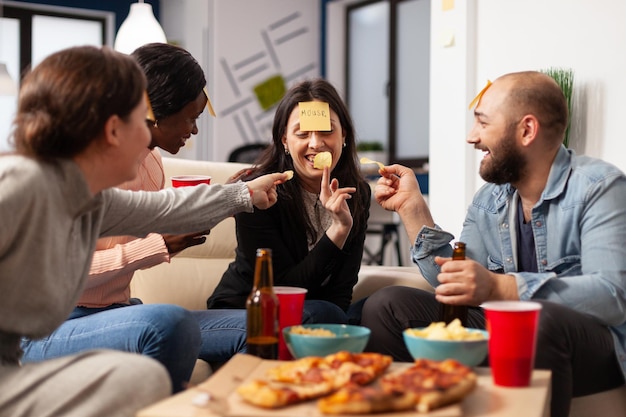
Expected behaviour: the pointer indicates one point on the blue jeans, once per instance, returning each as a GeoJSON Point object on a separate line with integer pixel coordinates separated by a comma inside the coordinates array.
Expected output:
{"type": "Point", "coordinates": [168, 333]}
{"type": "Point", "coordinates": [319, 311]}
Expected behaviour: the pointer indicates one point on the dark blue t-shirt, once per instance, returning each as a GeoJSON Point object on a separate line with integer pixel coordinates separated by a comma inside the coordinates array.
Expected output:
{"type": "Point", "coordinates": [526, 254]}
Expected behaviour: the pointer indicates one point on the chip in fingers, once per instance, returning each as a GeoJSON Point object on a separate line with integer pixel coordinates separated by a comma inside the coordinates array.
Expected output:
{"type": "Point", "coordinates": [322, 159]}
{"type": "Point", "coordinates": [365, 160]}
{"type": "Point", "coordinates": [289, 174]}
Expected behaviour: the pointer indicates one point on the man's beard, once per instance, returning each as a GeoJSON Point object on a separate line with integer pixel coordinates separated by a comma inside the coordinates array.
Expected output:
{"type": "Point", "coordinates": [505, 163]}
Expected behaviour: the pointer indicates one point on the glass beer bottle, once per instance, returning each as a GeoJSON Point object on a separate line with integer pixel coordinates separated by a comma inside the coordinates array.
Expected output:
{"type": "Point", "coordinates": [262, 309]}
{"type": "Point", "coordinates": [449, 312]}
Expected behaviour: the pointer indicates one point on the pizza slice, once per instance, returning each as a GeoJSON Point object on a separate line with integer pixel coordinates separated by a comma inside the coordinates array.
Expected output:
{"type": "Point", "coordinates": [358, 399]}
{"type": "Point", "coordinates": [268, 394]}
{"type": "Point", "coordinates": [434, 383]}
{"type": "Point", "coordinates": [313, 377]}
{"type": "Point", "coordinates": [338, 368]}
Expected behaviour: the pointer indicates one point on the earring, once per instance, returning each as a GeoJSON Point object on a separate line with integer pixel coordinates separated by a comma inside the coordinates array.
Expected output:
{"type": "Point", "coordinates": [344, 144]}
{"type": "Point", "coordinates": [286, 151]}
{"type": "Point", "coordinates": [156, 125]}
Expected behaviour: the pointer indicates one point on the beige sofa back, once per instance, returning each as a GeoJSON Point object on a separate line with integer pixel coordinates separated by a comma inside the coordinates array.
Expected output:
{"type": "Point", "coordinates": [192, 275]}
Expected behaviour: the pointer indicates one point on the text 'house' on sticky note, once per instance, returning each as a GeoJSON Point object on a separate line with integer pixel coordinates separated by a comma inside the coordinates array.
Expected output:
{"type": "Point", "coordinates": [314, 116]}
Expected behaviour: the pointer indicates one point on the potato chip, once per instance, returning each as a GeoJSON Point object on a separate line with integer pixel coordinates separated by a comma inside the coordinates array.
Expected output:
{"type": "Point", "coordinates": [365, 160]}
{"type": "Point", "coordinates": [289, 174]}
{"type": "Point", "coordinates": [312, 332]}
{"type": "Point", "coordinates": [439, 331]}
{"type": "Point", "coordinates": [322, 159]}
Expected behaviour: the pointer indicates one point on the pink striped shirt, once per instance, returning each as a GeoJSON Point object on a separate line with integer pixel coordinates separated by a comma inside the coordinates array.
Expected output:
{"type": "Point", "coordinates": [117, 258]}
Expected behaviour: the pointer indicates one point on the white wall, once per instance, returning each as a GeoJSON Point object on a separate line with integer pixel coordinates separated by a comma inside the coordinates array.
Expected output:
{"type": "Point", "coordinates": [186, 22]}
{"type": "Point", "coordinates": [585, 35]}
{"type": "Point", "coordinates": [493, 37]}
{"type": "Point", "coordinates": [240, 44]}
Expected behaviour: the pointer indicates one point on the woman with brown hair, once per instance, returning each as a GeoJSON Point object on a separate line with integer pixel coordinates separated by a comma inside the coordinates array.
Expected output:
{"type": "Point", "coordinates": [80, 129]}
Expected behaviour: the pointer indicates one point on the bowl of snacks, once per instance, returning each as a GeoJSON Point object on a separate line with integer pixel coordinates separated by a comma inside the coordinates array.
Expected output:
{"type": "Point", "coordinates": [324, 339]}
{"type": "Point", "coordinates": [439, 342]}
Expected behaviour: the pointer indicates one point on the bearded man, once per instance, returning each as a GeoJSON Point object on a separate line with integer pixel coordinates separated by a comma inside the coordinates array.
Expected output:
{"type": "Point", "coordinates": [548, 226]}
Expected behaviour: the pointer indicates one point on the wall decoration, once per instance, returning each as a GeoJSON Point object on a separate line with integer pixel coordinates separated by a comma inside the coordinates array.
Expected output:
{"type": "Point", "coordinates": [271, 46]}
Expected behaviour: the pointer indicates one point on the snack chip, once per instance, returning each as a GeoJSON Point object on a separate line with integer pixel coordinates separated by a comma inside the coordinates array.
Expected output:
{"type": "Point", "coordinates": [439, 331]}
{"type": "Point", "coordinates": [289, 174]}
{"type": "Point", "coordinates": [312, 332]}
{"type": "Point", "coordinates": [365, 160]}
{"type": "Point", "coordinates": [322, 159]}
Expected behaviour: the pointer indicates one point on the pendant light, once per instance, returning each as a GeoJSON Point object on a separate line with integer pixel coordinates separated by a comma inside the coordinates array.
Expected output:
{"type": "Point", "coordinates": [139, 28]}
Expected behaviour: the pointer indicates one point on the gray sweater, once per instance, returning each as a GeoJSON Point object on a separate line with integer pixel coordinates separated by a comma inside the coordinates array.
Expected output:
{"type": "Point", "coordinates": [49, 224]}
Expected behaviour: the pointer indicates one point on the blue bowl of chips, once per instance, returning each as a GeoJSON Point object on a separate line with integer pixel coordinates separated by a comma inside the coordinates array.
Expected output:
{"type": "Point", "coordinates": [470, 351]}
{"type": "Point", "coordinates": [325, 339]}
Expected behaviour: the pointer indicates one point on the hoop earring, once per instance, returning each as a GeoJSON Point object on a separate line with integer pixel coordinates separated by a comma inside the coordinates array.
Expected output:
{"type": "Point", "coordinates": [344, 144]}
{"type": "Point", "coordinates": [286, 151]}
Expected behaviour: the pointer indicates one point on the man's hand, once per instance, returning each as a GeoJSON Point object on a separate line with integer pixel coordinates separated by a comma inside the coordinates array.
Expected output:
{"type": "Point", "coordinates": [466, 282]}
{"type": "Point", "coordinates": [176, 243]}
{"type": "Point", "coordinates": [398, 190]}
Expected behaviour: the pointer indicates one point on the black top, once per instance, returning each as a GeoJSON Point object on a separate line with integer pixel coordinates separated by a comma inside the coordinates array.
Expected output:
{"type": "Point", "coordinates": [327, 272]}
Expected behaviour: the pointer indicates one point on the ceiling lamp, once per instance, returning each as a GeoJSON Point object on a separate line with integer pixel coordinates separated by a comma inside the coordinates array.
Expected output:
{"type": "Point", "coordinates": [139, 28]}
{"type": "Point", "coordinates": [8, 87]}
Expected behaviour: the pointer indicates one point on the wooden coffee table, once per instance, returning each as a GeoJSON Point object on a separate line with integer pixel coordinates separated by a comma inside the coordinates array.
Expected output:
{"type": "Point", "coordinates": [487, 400]}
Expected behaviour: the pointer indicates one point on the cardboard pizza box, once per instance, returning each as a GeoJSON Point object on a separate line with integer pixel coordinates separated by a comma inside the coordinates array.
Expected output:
{"type": "Point", "coordinates": [217, 396]}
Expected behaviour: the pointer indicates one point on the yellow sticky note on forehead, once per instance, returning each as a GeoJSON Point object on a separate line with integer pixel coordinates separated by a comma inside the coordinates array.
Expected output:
{"type": "Point", "coordinates": [314, 115]}
{"type": "Point", "coordinates": [479, 95]}
{"type": "Point", "coordinates": [209, 106]}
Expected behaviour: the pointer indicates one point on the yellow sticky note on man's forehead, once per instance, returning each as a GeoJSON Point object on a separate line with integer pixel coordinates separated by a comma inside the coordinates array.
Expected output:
{"type": "Point", "coordinates": [476, 99]}
{"type": "Point", "coordinates": [314, 115]}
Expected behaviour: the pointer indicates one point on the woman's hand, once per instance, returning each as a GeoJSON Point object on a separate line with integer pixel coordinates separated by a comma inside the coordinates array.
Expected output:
{"type": "Point", "coordinates": [176, 243]}
{"type": "Point", "coordinates": [263, 189]}
{"type": "Point", "coordinates": [334, 200]}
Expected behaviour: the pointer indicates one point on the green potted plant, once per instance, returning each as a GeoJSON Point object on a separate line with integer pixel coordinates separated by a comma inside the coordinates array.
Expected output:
{"type": "Point", "coordinates": [565, 79]}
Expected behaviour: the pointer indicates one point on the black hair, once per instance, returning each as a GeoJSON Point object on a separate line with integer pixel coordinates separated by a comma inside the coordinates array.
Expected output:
{"type": "Point", "coordinates": [175, 78]}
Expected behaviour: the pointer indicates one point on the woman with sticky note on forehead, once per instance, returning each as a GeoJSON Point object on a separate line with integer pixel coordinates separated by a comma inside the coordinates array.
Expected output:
{"type": "Point", "coordinates": [317, 228]}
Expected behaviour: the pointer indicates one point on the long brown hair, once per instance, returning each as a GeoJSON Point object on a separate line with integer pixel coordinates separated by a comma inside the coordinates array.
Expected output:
{"type": "Point", "coordinates": [66, 100]}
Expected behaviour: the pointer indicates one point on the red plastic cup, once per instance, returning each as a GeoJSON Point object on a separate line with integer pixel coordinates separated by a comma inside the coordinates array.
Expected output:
{"type": "Point", "coordinates": [512, 327]}
{"type": "Point", "coordinates": [290, 306]}
{"type": "Point", "coordinates": [188, 180]}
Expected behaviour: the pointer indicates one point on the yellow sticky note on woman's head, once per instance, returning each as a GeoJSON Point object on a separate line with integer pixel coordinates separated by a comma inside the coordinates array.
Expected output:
{"type": "Point", "coordinates": [314, 116]}
{"type": "Point", "coordinates": [209, 106]}
{"type": "Point", "coordinates": [149, 114]}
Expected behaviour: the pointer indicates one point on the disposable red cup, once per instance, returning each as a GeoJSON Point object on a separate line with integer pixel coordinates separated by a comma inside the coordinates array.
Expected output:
{"type": "Point", "coordinates": [512, 327]}
{"type": "Point", "coordinates": [290, 306]}
{"type": "Point", "coordinates": [187, 180]}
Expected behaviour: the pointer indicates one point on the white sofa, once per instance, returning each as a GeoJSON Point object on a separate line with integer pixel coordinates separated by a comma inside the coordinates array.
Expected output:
{"type": "Point", "coordinates": [192, 275]}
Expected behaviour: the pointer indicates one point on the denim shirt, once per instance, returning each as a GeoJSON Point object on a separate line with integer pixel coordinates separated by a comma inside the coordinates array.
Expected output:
{"type": "Point", "coordinates": [579, 226]}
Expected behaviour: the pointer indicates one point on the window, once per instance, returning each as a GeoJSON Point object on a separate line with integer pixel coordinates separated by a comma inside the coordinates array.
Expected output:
{"type": "Point", "coordinates": [388, 76]}
{"type": "Point", "coordinates": [30, 32]}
